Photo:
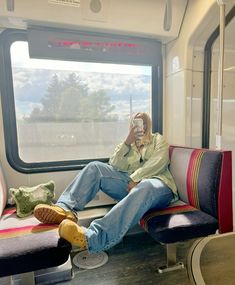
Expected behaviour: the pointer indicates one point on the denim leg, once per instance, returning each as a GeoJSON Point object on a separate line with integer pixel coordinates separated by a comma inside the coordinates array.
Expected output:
{"type": "Point", "coordinates": [105, 232]}
{"type": "Point", "coordinates": [94, 177]}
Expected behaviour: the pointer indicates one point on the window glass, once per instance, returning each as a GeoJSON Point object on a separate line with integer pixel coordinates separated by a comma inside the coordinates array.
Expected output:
{"type": "Point", "coordinates": [68, 110]}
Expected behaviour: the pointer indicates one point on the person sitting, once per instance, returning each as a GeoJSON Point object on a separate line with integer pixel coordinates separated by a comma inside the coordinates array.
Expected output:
{"type": "Point", "coordinates": [137, 176]}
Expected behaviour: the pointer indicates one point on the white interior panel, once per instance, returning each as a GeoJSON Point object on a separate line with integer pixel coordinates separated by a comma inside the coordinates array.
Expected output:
{"type": "Point", "coordinates": [139, 17]}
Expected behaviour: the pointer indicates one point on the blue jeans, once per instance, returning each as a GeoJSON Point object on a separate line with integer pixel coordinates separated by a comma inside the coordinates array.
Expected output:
{"type": "Point", "coordinates": [107, 231]}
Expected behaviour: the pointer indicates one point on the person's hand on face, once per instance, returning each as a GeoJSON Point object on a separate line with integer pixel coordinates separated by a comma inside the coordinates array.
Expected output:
{"type": "Point", "coordinates": [135, 134]}
{"type": "Point", "coordinates": [131, 136]}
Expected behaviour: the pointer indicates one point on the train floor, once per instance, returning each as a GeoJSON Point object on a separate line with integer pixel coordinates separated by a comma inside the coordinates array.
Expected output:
{"type": "Point", "coordinates": [133, 261]}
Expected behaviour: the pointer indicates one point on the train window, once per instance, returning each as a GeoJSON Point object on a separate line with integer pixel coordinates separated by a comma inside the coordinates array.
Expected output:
{"type": "Point", "coordinates": [66, 112]}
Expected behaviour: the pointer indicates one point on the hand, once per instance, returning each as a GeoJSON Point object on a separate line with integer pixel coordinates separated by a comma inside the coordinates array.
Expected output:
{"type": "Point", "coordinates": [131, 185]}
{"type": "Point", "coordinates": [134, 135]}
{"type": "Point", "coordinates": [131, 136]}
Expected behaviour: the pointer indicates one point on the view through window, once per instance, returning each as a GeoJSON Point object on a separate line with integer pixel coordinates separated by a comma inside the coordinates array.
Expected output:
{"type": "Point", "coordinates": [68, 110]}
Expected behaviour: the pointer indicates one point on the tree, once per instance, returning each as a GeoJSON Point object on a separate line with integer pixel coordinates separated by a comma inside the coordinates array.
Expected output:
{"type": "Point", "coordinates": [99, 105]}
{"type": "Point", "coordinates": [70, 100]}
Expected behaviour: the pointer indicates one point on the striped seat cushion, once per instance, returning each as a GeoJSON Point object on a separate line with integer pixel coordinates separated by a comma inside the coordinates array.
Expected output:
{"type": "Point", "coordinates": [197, 174]}
{"type": "Point", "coordinates": [11, 226]}
{"type": "Point", "coordinates": [180, 221]}
{"type": "Point", "coordinates": [26, 245]}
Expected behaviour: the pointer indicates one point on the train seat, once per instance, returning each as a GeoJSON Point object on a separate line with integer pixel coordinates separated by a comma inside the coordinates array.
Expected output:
{"type": "Point", "coordinates": [26, 245]}
{"type": "Point", "coordinates": [204, 182]}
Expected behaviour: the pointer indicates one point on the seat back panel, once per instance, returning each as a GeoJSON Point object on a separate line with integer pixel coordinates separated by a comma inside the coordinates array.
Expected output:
{"type": "Point", "coordinates": [197, 174]}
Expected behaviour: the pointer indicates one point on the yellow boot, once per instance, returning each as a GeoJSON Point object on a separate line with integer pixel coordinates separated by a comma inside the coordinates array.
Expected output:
{"type": "Point", "coordinates": [73, 233]}
{"type": "Point", "coordinates": [52, 214]}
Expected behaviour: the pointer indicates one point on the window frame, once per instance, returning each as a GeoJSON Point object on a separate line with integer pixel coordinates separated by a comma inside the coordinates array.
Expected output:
{"type": "Point", "coordinates": [7, 38]}
{"type": "Point", "coordinates": [206, 104]}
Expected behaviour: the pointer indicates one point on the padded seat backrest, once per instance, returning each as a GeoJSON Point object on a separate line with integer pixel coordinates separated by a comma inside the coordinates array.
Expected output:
{"type": "Point", "coordinates": [197, 175]}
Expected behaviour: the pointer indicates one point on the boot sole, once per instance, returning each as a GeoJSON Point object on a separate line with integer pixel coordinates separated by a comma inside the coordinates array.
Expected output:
{"type": "Point", "coordinates": [47, 215]}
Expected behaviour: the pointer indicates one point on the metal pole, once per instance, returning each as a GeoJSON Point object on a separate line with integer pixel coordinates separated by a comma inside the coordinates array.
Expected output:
{"type": "Point", "coordinates": [220, 77]}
